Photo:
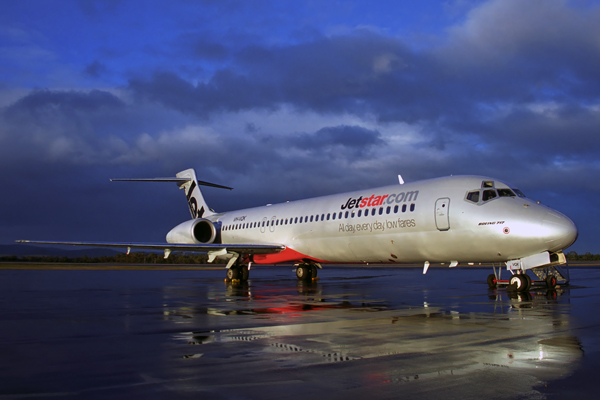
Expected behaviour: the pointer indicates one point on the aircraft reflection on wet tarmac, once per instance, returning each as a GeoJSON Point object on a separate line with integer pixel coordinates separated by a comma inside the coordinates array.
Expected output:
{"type": "Point", "coordinates": [525, 337]}
{"type": "Point", "coordinates": [363, 331]}
{"type": "Point", "coordinates": [388, 335]}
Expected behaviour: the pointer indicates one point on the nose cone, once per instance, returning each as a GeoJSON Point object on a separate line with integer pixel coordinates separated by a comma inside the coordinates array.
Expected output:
{"type": "Point", "coordinates": [559, 231]}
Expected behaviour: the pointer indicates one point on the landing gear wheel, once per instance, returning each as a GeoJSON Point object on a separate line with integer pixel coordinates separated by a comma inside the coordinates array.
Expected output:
{"type": "Point", "coordinates": [491, 281]}
{"type": "Point", "coordinates": [233, 273]}
{"type": "Point", "coordinates": [528, 283]}
{"type": "Point", "coordinates": [303, 272]}
{"type": "Point", "coordinates": [313, 271]}
{"type": "Point", "coordinates": [244, 273]}
{"type": "Point", "coordinates": [518, 282]}
{"type": "Point", "coordinates": [551, 282]}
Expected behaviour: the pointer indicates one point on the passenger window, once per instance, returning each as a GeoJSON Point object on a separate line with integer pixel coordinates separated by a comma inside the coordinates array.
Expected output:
{"type": "Point", "coordinates": [403, 207]}
{"type": "Point", "coordinates": [346, 215]}
{"type": "Point", "coordinates": [380, 210]}
{"type": "Point", "coordinates": [396, 209]}
{"type": "Point", "coordinates": [296, 220]}
{"type": "Point", "coordinates": [489, 194]}
{"type": "Point", "coordinates": [359, 213]}
{"type": "Point", "coordinates": [412, 207]}
{"type": "Point", "coordinates": [311, 218]}
{"type": "Point", "coordinates": [333, 215]}
{"type": "Point", "coordinates": [388, 210]}
{"type": "Point", "coordinates": [373, 211]}
{"type": "Point", "coordinates": [473, 196]}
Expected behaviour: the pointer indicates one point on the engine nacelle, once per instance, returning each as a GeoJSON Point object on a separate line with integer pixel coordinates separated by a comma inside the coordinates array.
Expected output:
{"type": "Point", "coordinates": [195, 231]}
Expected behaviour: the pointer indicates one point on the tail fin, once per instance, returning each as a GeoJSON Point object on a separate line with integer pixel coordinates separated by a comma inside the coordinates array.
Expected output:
{"type": "Point", "coordinates": [191, 186]}
{"type": "Point", "coordinates": [187, 181]}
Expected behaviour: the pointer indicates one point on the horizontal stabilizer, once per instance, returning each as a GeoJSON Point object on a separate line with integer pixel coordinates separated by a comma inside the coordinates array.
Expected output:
{"type": "Point", "coordinates": [179, 181]}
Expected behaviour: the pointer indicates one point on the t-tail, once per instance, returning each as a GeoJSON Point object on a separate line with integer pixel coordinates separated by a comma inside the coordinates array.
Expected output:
{"type": "Point", "coordinates": [187, 181]}
{"type": "Point", "coordinates": [191, 187]}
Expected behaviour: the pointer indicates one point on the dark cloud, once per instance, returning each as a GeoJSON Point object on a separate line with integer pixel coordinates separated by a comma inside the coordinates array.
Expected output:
{"type": "Point", "coordinates": [362, 73]}
{"type": "Point", "coordinates": [330, 139]}
{"type": "Point", "coordinates": [204, 48]}
{"type": "Point", "coordinates": [225, 92]}
{"type": "Point", "coordinates": [93, 8]}
{"type": "Point", "coordinates": [95, 69]}
{"type": "Point", "coordinates": [366, 73]}
{"type": "Point", "coordinates": [43, 101]}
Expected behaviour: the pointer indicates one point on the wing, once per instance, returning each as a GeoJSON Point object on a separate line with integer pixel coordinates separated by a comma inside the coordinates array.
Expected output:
{"type": "Point", "coordinates": [213, 250]}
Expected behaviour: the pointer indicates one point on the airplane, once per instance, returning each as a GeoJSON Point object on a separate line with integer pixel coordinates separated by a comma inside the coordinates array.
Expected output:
{"type": "Point", "coordinates": [466, 219]}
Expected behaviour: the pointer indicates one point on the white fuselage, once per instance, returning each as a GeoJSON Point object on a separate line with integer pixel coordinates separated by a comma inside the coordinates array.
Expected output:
{"type": "Point", "coordinates": [435, 220]}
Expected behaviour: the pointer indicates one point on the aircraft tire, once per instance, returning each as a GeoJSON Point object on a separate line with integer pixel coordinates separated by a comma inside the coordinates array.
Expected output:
{"type": "Point", "coordinates": [518, 282]}
{"type": "Point", "coordinates": [313, 271]}
{"type": "Point", "coordinates": [491, 281]}
{"type": "Point", "coordinates": [233, 273]}
{"type": "Point", "coordinates": [528, 283]}
{"type": "Point", "coordinates": [303, 272]}
{"type": "Point", "coordinates": [244, 273]}
{"type": "Point", "coordinates": [551, 282]}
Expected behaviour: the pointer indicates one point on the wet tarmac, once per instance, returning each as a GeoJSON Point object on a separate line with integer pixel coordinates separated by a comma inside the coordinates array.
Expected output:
{"type": "Point", "coordinates": [377, 333]}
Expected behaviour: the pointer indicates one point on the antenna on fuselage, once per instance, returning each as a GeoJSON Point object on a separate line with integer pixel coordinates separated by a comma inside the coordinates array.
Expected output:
{"type": "Point", "coordinates": [400, 179]}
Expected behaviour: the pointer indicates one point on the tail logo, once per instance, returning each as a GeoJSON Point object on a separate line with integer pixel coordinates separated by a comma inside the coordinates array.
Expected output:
{"type": "Point", "coordinates": [193, 203]}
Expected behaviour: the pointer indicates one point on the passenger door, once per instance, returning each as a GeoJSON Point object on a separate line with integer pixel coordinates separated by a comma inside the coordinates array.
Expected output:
{"type": "Point", "coordinates": [442, 217]}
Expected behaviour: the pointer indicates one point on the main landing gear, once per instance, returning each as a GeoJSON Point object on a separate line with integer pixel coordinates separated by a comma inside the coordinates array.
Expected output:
{"type": "Point", "coordinates": [307, 271]}
{"type": "Point", "coordinates": [304, 272]}
{"type": "Point", "coordinates": [240, 272]}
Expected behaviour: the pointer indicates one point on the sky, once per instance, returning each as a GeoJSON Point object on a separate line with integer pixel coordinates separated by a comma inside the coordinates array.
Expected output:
{"type": "Point", "coordinates": [284, 100]}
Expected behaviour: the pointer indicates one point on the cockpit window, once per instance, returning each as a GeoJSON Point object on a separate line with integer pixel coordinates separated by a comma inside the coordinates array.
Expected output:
{"type": "Point", "coordinates": [473, 196]}
{"type": "Point", "coordinates": [506, 193]}
{"type": "Point", "coordinates": [519, 193]}
{"type": "Point", "coordinates": [489, 194]}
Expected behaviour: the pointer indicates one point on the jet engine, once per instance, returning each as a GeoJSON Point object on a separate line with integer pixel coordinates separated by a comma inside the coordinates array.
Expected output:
{"type": "Point", "coordinates": [195, 231]}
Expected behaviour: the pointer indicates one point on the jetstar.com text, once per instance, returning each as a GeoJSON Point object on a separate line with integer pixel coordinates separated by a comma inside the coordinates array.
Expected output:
{"type": "Point", "coordinates": [402, 197]}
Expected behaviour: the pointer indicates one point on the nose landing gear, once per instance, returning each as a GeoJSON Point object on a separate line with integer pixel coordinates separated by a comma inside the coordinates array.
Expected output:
{"type": "Point", "coordinates": [548, 276]}
{"type": "Point", "coordinates": [520, 283]}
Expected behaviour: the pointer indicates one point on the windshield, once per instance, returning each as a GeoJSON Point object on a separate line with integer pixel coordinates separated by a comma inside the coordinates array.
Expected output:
{"type": "Point", "coordinates": [519, 193]}
{"type": "Point", "coordinates": [489, 192]}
